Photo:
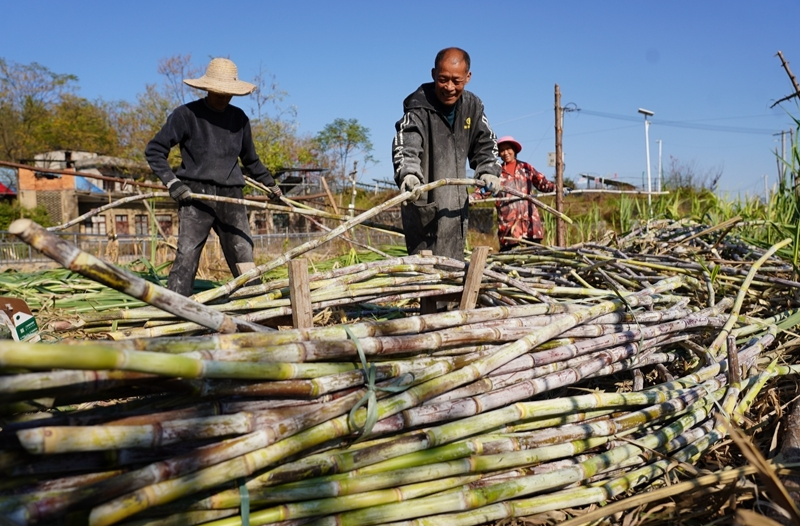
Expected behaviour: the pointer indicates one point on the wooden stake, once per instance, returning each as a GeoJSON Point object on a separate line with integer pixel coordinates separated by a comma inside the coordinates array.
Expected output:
{"type": "Point", "coordinates": [472, 280]}
{"type": "Point", "coordinates": [330, 195]}
{"type": "Point", "coordinates": [300, 294]}
{"type": "Point", "coordinates": [244, 267]}
{"type": "Point", "coordinates": [427, 305]}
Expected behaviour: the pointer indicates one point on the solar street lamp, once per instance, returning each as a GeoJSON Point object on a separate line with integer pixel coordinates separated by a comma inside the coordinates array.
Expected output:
{"type": "Point", "coordinates": [648, 113]}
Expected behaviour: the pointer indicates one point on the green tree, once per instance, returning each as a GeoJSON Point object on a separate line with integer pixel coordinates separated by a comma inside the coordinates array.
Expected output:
{"type": "Point", "coordinates": [11, 211]}
{"type": "Point", "coordinates": [27, 94]}
{"type": "Point", "coordinates": [274, 127]}
{"type": "Point", "coordinates": [39, 111]}
{"type": "Point", "coordinates": [343, 140]}
{"type": "Point", "coordinates": [137, 123]}
{"type": "Point", "coordinates": [77, 124]}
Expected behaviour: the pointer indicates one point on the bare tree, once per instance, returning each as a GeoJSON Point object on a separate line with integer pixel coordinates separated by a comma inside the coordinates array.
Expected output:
{"type": "Point", "coordinates": [175, 69]}
{"type": "Point", "coordinates": [690, 175]}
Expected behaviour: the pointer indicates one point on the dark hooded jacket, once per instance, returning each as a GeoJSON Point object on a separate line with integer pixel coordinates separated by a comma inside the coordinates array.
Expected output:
{"type": "Point", "coordinates": [427, 146]}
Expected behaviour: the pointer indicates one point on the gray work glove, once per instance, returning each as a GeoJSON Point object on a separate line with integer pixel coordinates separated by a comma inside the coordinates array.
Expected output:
{"type": "Point", "coordinates": [491, 183]}
{"type": "Point", "coordinates": [179, 191]}
{"type": "Point", "coordinates": [411, 183]}
{"type": "Point", "coordinates": [274, 193]}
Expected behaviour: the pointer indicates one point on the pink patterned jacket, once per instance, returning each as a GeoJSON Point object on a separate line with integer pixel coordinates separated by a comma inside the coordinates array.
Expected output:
{"type": "Point", "coordinates": [520, 218]}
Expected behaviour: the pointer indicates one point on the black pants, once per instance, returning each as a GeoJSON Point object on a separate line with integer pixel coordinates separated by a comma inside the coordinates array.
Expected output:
{"type": "Point", "coordinates": [197, 218]}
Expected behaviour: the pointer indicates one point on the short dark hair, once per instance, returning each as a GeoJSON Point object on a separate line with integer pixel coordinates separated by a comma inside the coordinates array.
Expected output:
{"type": "Point", "coordinates": [440, 56]}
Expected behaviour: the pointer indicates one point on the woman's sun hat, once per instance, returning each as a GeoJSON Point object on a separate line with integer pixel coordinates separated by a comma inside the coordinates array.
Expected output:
{"type": "Point", "coordinates": [509, 139]}
{"type": "Point", "coordinates": [222, 77]}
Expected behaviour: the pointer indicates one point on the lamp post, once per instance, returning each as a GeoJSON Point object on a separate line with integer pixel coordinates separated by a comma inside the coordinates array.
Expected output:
{"type": "Point", "coordinates": [648, 113]}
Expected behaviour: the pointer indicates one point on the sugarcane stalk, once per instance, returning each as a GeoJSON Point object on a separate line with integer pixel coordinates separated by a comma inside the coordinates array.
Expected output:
{"type": "Point", "coordinates": [528, 197]}
{"type": "Point", "coordinates": [230, 286]}
{"type": "Point", "coordinates": [716, 345]}
{"type": "Point", "coordinates": [469, 499]}
{"type": "Point", "coordinates": [291, 208]}
{"type": "Point", "coordinates": [105, 357]}
{"type": "Point", "coordinates": [79, 261]}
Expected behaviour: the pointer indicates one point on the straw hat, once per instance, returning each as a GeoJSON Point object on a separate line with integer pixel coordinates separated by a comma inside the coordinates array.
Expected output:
{"type": "Point", "coordinates": [509, 139]}
{"type": "Point", "coordinates": [222, 77]}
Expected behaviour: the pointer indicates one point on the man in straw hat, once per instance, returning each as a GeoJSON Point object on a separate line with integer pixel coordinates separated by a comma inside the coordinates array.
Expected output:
{"type": "Point", "coordinates": [213, 136]}
{"type": "Point", "coordinates": [443, 126]}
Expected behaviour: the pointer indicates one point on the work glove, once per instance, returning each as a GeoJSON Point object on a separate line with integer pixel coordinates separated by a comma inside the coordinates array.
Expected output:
{"type": "Point", "coordinates": [411, 183]}
{"type": "Point", "coordinates": [491, 183]}
{"type": "Point", "coordinates": [179, 191]}
{"type": "Point", "coordinates": [274, 193]}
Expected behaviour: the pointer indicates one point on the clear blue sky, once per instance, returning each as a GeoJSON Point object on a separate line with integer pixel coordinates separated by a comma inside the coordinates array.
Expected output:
{"type": "Point", "coordinates": [696, 63]}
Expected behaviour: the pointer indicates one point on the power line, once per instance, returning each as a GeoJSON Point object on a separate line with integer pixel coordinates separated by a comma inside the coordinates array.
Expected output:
{"type": "Point", "coordinates": [495, 124]}
{"type": "Point", "coordinates": [682, 124]}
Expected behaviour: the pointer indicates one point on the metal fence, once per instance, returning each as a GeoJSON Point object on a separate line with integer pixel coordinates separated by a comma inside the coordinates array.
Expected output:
{"type": "Point", "coordinates": [130, 248]}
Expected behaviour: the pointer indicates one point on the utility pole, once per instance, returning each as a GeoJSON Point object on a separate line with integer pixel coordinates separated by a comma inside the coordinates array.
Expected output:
{"type": "Point", "coordinates": [561, 227]}
{"type": "Point", "coordinates": [783, 152]}
{"type": "Point", "coordinates": [658, 181]}
{"type": "Point", "coordinates": [782, 162]}
{"type": "Point", "coordinates": [766, 191]}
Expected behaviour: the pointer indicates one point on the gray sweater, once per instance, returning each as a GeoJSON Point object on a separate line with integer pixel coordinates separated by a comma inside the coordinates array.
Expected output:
{"type": "Point", "coordinates": [211, 143]}
{"type": "Point", "coordinates": [428, 146]}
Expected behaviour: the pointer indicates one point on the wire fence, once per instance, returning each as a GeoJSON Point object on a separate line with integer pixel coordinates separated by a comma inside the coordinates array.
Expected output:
{"type": "Point", "coordinates": [125, 249]}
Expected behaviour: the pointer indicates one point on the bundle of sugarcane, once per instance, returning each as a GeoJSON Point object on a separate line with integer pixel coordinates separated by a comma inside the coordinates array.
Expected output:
{"type": "Point", "coordinates": [519, 277]}
{"type": "Point", "coordinates": [375, 422]}
{"type": "Point", "coordinates": [471, 414]}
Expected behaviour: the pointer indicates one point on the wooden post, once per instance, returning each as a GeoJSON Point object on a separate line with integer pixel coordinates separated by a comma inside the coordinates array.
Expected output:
{"type": "Point", "coordinates": [345, 235]}
{"type": "Point", "coordinates": [300, 294]}
{"type": "Point", "coordinates": [330, 195]}
{"type": "Point", "coordinates": [561, 227]}
{"type": "Point", "coordinates": [427, 305]}
{"type": "Point", "coordinates": [472, 280]}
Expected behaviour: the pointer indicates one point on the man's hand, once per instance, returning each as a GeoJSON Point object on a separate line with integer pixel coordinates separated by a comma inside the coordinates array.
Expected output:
{"type": "Point", "coordinates": [274, 193]}
{"type": "Point", "coordinates": [411, 183]}
{"type": "Point", "coordinates": [179, 191]}
{"type": "Point", "coordinates": [491, 183]}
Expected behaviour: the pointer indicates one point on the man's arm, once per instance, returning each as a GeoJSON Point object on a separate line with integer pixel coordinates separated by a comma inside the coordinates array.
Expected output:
{"type": "Point", "coordinates": [407, 149]}
{"type": "Point", "coordinates": [483, 154]}
{"type": "Point", "coordinates": [251, 161]}
{"type": "Point", "coordinates": [157, 150]}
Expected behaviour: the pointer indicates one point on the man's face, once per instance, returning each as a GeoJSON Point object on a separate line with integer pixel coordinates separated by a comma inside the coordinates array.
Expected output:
{"type": "Point", "coordinates": [449, 78]}
{"type": "Point", "coordinates": [218, 101]}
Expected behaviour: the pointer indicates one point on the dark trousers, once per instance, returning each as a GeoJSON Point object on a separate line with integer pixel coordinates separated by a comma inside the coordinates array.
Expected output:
{"type": "Point", "coordinates": [197, 218]}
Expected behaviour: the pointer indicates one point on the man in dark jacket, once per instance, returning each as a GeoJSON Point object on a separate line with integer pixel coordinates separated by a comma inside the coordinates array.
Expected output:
{"type": "Point", "coordinates": [443, 126]}
{"type": "Point", "coordinates": [213, 136]}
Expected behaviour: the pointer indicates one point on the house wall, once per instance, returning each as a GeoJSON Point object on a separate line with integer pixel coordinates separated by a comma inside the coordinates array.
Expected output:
{"type": "Point", "coordinates": [56, 195]}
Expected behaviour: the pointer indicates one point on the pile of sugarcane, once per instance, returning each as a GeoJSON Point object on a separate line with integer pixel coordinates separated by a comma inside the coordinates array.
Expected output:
{"type": "Point", "coordinates": [586, 374]}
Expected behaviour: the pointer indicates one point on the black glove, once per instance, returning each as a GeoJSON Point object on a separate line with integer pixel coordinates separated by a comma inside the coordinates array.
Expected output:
{"type": "Point", "coordinates": [274, 193]}
{"type": "Point", "coordinates": [179, 191]}
{"type": "Point", "coordinates": [491, 183]}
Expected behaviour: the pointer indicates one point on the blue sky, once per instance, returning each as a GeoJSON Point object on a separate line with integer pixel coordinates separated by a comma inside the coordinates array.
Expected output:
{"type": "Point", "coordinates": [694, 63]}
